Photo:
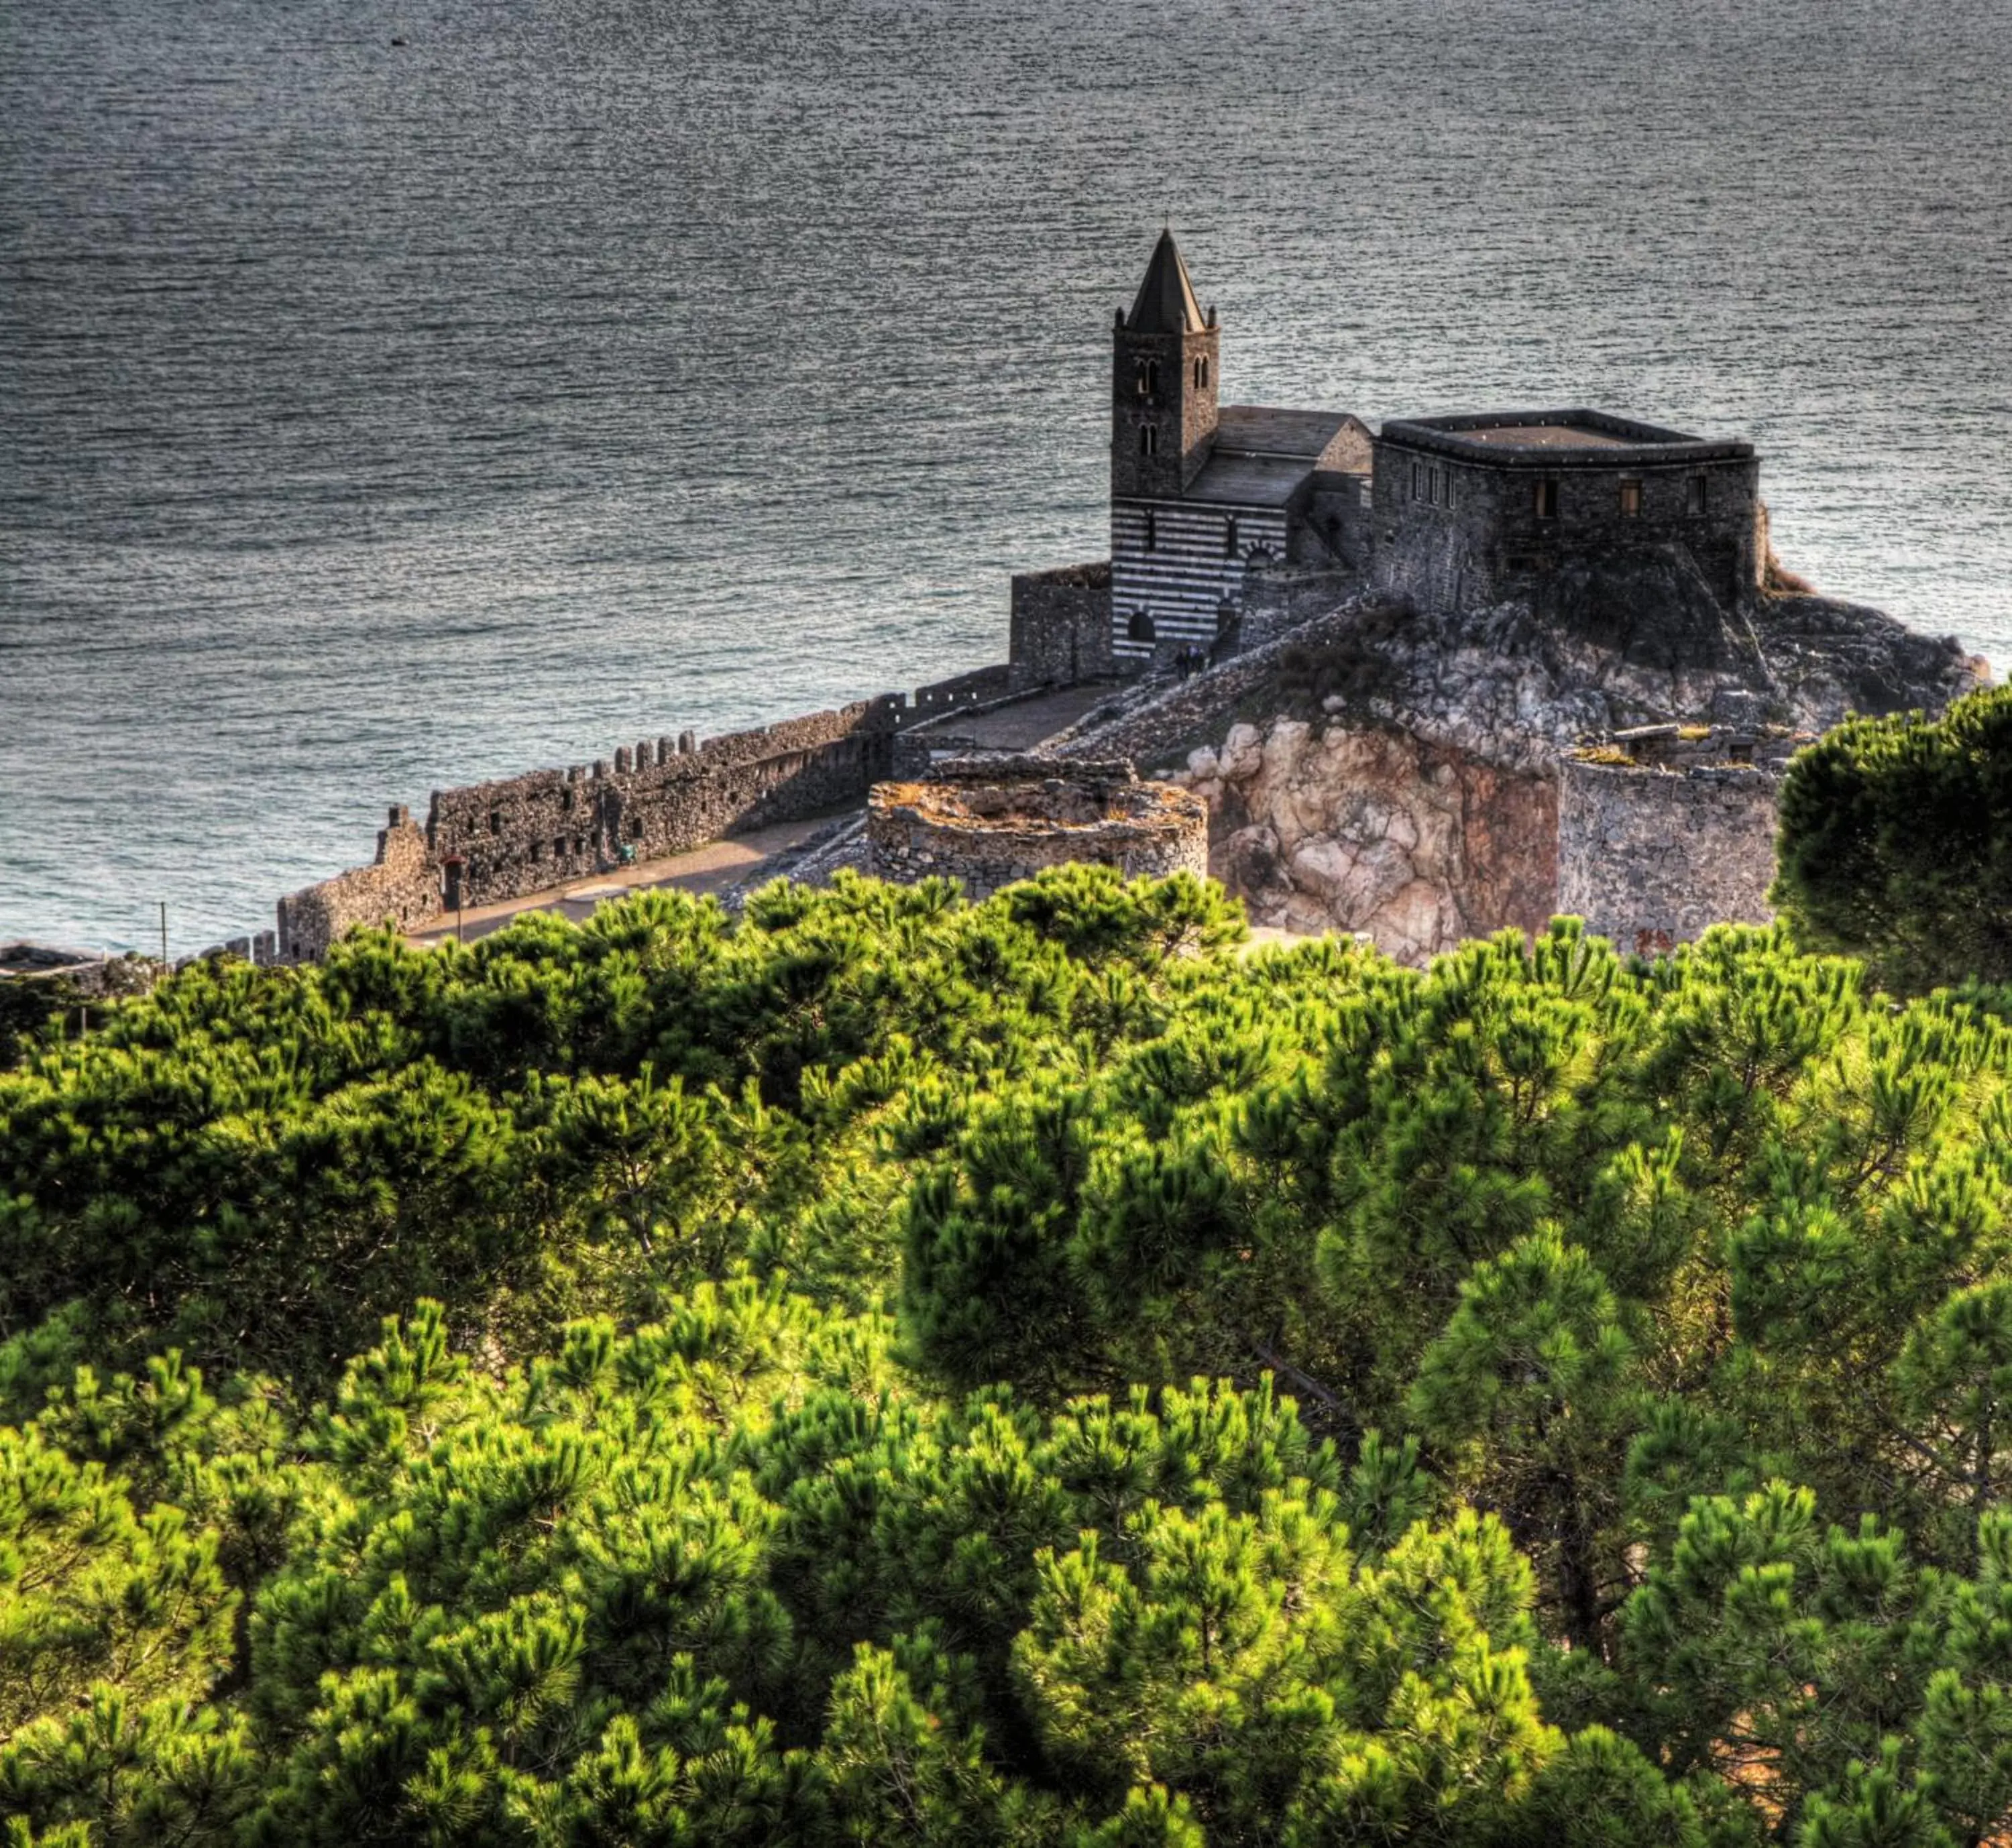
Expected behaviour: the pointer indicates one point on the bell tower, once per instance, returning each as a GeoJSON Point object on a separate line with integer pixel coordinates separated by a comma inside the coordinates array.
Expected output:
{"type": "Point", "coordinates": [1164, 357]}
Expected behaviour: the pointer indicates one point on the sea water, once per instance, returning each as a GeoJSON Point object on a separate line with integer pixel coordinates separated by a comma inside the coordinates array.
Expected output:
{"type": "Point", "coordinates": [398, 393]}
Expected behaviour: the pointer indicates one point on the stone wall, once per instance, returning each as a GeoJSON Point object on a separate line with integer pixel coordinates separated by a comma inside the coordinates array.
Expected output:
{"type": "Point", "coordinates": [1664, 830]}
{"type": "Point", "coordinates": [1060, 627]}
{"type": "Point", "coordinates": [400, 887]}
{"type": "Point", "coordinates": [1335, 531]}
{"type": "Point", "coordinates": [530, 833]}
{"type": "Point", "coordinates": [960, 692]}
{"type": "Point", "coordinates": [992, 824]}
{"type": "Point", "coordinates": [1455, 533]}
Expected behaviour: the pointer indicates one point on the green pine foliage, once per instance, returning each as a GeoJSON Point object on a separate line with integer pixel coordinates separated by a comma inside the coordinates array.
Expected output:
{"type": "Point", "coordinates": [887, 1370]}
{"type": "Point", "coordinates": [1896, 844]}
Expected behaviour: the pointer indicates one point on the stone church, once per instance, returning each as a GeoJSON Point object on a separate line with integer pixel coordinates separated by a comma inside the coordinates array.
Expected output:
{"type": "Point", "coordinates": [1457, 512]}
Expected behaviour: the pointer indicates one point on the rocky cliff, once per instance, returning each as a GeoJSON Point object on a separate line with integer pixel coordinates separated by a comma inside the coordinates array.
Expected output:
{"type": "Point", "coordinates": [1387, 769]}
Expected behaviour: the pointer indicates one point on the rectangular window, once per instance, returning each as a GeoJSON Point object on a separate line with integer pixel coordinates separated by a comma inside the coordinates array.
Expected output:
{"type": "Point", "coordinates": [1418, 481]}
{"type": "Point", "coordinates": [1631, 499]}
{"type": "Point", "coordinates": [1547, 500]}
{"type": "Point", "coordinates": [1700, 493]}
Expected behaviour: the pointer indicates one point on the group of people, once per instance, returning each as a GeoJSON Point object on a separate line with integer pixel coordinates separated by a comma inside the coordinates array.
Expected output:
{"type": "Point", "coordinates": [1191, 658]}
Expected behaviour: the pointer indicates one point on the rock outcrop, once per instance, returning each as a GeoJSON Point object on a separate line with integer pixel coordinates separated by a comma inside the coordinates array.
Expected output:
{"type": "Point", "coordinates": [1394, 771]}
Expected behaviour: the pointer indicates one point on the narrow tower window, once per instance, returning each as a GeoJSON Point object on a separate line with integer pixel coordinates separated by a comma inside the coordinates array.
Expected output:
{"type": "Point", "coordinates": [1149, 439]}
{"type": "Point", "coordinates": [1201, 374]}
{"type": "Point", "coordinates": [1152, 532]}
{"type": "Point", "coordinates": [1631, 499]}
{"type": "Point", "coordinates": [1153, 376]}
{"type": "Point", "coordinates": [1229, 538]}
{"type": "Point", "coordinates": [1700, 493]}
{"type": "Point", "coordinates": [1547, 500]}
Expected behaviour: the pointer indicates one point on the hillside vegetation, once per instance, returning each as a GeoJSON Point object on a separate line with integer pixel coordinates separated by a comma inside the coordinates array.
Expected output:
{"type": "Point", "coordinates": [890, 1371]}
{"type": "Point", "coordinates": [1897, 843]}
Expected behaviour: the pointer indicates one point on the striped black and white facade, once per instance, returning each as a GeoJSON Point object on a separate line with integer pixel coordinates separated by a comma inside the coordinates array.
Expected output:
{"type": "Point", "coordinates": [1203, 494]}
{"type": "Point", "coordinates": [1178, 569]}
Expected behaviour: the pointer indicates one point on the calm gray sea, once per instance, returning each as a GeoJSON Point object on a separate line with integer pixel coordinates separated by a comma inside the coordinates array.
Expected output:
{"type": "Point", "coordinates": [375, 417]}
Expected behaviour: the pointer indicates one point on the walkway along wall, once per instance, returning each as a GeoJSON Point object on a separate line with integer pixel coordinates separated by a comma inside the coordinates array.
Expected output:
{"type": "Point", "coordinates": [493, 841]}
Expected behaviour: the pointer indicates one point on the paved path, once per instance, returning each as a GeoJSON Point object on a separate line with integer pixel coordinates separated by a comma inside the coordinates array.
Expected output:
{"type": "Point", "coordinates": [1029, 721]}
{"type": "Point", "coordinates": [739, 862]}
{"type": "Point", "coordinates": [709, 868]}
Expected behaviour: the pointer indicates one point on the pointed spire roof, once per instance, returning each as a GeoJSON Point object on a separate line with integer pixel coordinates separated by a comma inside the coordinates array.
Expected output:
{"type": "Point", "coordinates": [1166, 303]}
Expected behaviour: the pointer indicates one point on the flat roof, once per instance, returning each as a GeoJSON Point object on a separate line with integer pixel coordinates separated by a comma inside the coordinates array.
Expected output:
{"type": "Point", "coordinates": [1553, 439]}
{"type": "Point", "coordinates": [1544, 436]}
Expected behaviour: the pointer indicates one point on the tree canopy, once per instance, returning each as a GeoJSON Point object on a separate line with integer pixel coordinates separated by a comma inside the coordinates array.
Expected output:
{"type": "Point", "coordinates": [884, 1369]}
{"type": "Point", "coordinates": [1896, 844]}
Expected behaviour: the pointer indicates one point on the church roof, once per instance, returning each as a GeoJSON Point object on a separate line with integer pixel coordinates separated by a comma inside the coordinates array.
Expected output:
{"type": "Point", "coordinates": [1264, 430]}
{"type": "Point", "coordinates": [1166, 303]}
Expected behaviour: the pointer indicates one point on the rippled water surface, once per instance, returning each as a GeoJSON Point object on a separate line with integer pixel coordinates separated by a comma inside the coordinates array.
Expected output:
{"type": "Point", "coordinates": [375, 417]}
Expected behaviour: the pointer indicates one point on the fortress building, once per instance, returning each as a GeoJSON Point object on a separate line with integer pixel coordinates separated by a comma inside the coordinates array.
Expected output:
{"type": "Point", "coordinates": [1457, 512]}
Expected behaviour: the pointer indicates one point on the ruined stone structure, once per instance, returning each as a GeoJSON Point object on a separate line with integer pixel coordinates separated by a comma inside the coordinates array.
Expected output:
{"type": "Point", "coordinates": [992, 823]}
{"type": "Point", "coordinates": [400, 887]}
{"type": "Point", "coordinates": [1664, 830]}
{"type": "Point", "coordinates": [1059, 631]}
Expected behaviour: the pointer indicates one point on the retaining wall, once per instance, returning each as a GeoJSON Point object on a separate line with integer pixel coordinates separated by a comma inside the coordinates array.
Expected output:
{"type": "Point", "coordinates": [1662, 832]}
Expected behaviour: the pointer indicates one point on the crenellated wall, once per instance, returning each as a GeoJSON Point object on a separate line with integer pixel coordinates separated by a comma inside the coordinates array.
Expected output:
{"type": "Point", "coordinates": [400, 886]}
{"type": "Point", "coordinates": [494, 841]}
{"type": "Point", "coordinates": [658, 798]}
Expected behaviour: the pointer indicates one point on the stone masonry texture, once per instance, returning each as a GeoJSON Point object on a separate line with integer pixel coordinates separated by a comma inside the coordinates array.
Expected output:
{"type": "Point", "coordinates": [994, 824]}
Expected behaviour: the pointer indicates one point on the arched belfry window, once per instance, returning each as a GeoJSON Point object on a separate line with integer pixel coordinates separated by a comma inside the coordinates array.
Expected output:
{"type": "Point", "coordinates": [1152, 375]}
{"type": "Point", "coordinates": [1201, 373]}
{"type": "Point", "coordinates": [1142, 387]}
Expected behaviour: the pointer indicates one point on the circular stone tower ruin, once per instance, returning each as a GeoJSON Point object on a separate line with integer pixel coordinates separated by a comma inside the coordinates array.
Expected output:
{"type": "Point", "coordinates": [993, 822]}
